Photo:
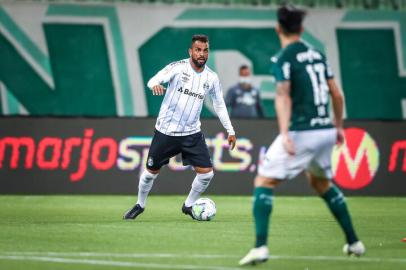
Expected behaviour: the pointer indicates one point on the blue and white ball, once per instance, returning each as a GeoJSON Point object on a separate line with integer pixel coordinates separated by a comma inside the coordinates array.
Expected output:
{"type": "Point", "coordinates": [204, 209]}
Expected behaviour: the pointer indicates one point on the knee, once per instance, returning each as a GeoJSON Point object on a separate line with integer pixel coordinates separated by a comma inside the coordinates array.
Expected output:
{"type": "Point", "coordinates": [262, 181]}
{"type": "Point", "coordinates": [320, 186]}
{"type": "Point", "coordinates": [151, 171]}
{"type": "Point", "coordinates": [200, 170]}
{"type": "Point", "coordinates": [148, 175]}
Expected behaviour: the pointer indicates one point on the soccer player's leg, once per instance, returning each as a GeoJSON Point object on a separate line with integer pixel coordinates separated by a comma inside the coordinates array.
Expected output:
{"type": "Point", "coordinates": [196, 153]}
{"type": "Point", "coordinates": [144, 186]}
{"type": "Point", "coordinates": [199, 185]}
{"type": "Point", "coordinates": [320, 175]}
{"type": "Point", "coordinates": [262, 209]}
{"type": "Point", "coordinates": [276, 166]}
{"type": "Point", "coordinates": [162, 148]}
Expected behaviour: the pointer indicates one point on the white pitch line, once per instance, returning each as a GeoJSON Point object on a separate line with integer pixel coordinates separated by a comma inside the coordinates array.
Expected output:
{"type": "Point", "coordinates": [114, 263]}
{"type": "Point", "coordinates": [122, 255]}
{"type": "Point", "coordinates": [200, 256]}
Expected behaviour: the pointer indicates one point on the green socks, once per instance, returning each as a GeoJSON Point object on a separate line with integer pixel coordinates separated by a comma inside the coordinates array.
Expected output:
{"type": "Point", "coordinates": [336, 202]}
{"type": "Point", "coordinates": [262, 210]}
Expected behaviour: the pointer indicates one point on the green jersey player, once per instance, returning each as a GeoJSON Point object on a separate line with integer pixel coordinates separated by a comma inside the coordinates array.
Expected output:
{"type": "Point", "coordinates": [304, 83]}
{"type": "Point", "coordinates": [309, 90]}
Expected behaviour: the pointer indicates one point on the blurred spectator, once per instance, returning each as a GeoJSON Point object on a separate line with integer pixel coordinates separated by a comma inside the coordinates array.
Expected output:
{"type": "Point", "coordinates": [243, 99]}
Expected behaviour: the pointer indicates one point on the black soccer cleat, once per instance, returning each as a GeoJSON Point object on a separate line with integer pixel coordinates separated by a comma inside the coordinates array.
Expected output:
{"type": "Point", "coordinates": [133, 212]}
{"type": "Point", "coordinates": [187, 210]}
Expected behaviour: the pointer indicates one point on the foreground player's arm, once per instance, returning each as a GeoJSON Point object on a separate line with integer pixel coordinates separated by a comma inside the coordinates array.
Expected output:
{"type": "Point", "coordinates": [220, 108]}
{"type": "Point", "coordinates": [337, 100]}
{"type": "Point", "coordinates": [283, 107]}
{"type": "Point", "coordinates": [281, 69]}
{"type": "Point", "coordinates": [163, 76]}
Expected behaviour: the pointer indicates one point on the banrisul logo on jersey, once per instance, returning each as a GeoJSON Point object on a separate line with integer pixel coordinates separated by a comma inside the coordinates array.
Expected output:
{"type": "Point", "coordinates": [356, 162]}
{"type": "Point", "coordinates": [186, 91]}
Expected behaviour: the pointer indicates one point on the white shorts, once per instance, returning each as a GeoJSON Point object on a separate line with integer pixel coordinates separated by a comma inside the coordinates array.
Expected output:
{"type": "Point", "coordinates": [313, 153]}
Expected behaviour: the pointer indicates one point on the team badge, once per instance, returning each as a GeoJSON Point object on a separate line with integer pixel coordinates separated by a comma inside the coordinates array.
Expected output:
{"type": "Point", "coordinates": [185, 77]}
{"type": "Point", "coordinates": [150, 161]}
{"type": "Point", "coordinates": [206, 86]}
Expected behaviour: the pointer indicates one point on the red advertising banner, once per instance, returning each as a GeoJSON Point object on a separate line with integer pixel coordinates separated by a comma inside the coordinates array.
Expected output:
{"type": "Point", "coordinates": [106, 155]}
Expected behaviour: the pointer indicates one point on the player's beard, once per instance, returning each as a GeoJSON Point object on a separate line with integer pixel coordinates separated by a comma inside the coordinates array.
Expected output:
{"type": "Point", "coordinates": [199, 64]}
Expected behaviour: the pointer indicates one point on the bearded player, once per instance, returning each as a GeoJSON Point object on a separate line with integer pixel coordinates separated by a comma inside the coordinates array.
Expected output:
{"type": "Point", "coordinates": [177, 129]}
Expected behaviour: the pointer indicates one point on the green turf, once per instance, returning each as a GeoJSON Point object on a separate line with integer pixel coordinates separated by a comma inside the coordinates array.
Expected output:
{"type": "Point", "coordinates": [87, 232]}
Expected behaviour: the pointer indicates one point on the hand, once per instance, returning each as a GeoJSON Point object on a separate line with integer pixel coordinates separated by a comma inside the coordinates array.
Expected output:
{"type": "Point", "coordinates": [158, 90]}
{"type": "Point", "coordinates": [288, 144]}
{"type": "Point", "coordinates": [340, 136]}
{"type": "Point", "coordinates": [231, 141]}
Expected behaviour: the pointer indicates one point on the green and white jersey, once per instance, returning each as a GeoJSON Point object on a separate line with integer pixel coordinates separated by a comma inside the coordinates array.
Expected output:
{"type": "Point", "coordinates": [308, 71]}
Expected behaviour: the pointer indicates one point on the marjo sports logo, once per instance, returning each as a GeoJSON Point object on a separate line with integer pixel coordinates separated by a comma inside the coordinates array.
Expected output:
{"type": "Point", "coordinates": [356, 162]}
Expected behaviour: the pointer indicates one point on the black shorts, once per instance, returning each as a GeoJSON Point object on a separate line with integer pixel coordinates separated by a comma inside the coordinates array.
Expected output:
{"type": "Point", "coordinates": [192, 147]}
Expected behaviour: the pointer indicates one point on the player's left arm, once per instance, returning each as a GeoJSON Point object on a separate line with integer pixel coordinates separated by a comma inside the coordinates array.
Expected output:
{"type": "Point", "coordinates": [220, 108]}
{"type": "Point", "coordinates": [283, 107]}
{"type": "Point", "coordinates": [283, 101]}
{"type": "Point", "coordinates": [163, 76]}
{"type": "Point", "coordinates": [337, 100]}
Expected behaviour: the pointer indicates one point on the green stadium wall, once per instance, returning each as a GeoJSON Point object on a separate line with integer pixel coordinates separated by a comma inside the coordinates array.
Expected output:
{"type": "Point", "coordinates": [95, 60]}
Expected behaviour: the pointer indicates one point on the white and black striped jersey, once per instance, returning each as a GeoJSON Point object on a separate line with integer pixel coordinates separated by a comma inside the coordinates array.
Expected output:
{"type": "Point", "coordinates": [183, 102]}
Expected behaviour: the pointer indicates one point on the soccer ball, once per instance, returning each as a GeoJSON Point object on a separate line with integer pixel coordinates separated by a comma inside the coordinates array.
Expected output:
{"type": "Point", "coordinates": [204, 209]}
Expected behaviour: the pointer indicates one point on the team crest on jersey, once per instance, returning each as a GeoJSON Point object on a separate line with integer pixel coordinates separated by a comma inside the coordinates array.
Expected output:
{"type": "Point", "coordinates": [185, 77]}
{"type": "Point", "coordinates": [150, 161]}
{"type": "Point", "coordinates": [206, 86]}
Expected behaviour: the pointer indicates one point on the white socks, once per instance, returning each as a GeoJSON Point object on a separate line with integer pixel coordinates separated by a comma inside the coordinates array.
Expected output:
{"type": "Point", "coordinates": [144, 187]}
{"type": "Point", "coordinates": [199, 185]}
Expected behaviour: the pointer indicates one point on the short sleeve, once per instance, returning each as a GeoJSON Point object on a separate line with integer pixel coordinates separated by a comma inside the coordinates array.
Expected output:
{"type": "Point", "coordinates": [329, 72]}
{"type": "Point", "coordinates": [281, 69]}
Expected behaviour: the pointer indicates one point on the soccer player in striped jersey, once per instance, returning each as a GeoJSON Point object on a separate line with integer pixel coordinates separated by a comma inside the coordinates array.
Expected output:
{"type": "Point", "coordinates": [177, 129]}
{"type": "Point", "coordinates": [304, 84]}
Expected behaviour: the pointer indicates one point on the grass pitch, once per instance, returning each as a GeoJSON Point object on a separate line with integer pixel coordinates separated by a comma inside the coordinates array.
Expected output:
{"type": "Point", "coordinates": [87, 232]}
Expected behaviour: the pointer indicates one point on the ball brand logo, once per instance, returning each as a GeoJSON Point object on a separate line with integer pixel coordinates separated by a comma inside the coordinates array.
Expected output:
{"type": "Point", "coordinates": [356, 162]}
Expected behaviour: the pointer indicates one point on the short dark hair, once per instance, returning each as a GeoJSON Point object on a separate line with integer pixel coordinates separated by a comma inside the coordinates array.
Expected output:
{"type": "Point", "coordinates": [290, 19]}
{"type": "Point", "coordinates": [243, 67]}
{"type": "Point", "coordinates": [200, 37]}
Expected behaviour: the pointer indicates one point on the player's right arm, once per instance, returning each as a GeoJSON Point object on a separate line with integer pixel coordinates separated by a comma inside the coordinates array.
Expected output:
{"type": "Point", "coordinates": [163, 76]}
{"type": "Point", "coordinates": [337, 100]}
